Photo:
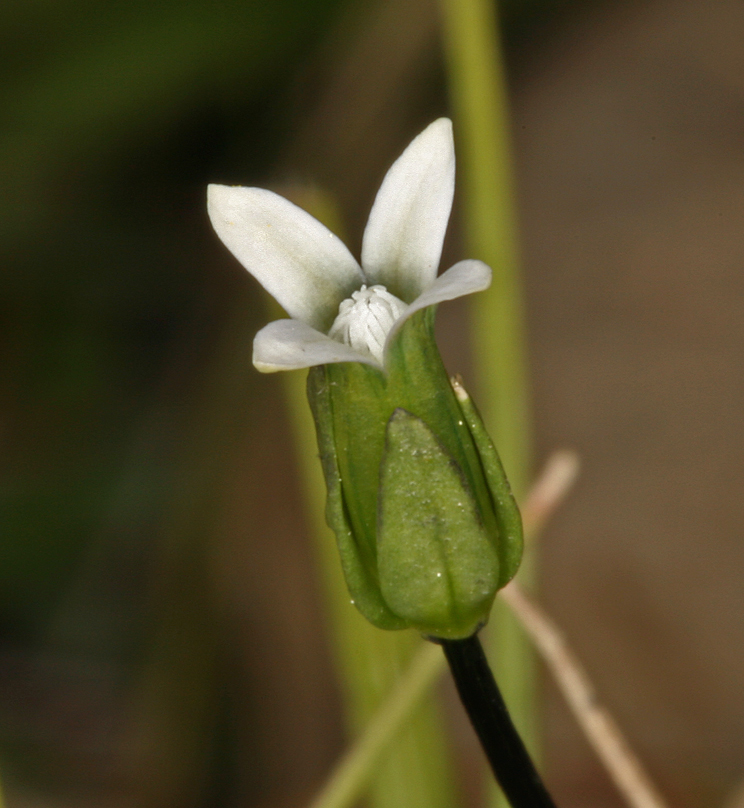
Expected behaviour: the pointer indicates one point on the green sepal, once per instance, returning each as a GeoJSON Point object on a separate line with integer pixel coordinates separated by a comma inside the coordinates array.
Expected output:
{"type": "Point", "coordinates": [438, 568]}
{"type": "Point", "coordinates": [508, 519]}
{"type": "Point", "coordinates": [359, 569]}
{"type": "Point", "coordinates": [363, 399]}
{"type": "Point", "coordinates": [352, 404]}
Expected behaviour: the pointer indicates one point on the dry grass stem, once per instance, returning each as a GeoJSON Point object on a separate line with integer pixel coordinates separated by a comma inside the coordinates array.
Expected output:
{"type": "Point", "coordinates": [598, 725]}
{"type": "Point", "coordinates": [549, 490]}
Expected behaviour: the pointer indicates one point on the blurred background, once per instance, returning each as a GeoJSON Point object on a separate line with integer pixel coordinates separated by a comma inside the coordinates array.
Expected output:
{"type": "Point", "coordinates": [162, 641]}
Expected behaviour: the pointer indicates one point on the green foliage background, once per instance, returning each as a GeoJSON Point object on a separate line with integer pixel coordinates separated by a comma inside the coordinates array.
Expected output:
{"type": "Point", "coordinates": [161, 639]}
{"type": "Point", "coordinates": [130, 411]}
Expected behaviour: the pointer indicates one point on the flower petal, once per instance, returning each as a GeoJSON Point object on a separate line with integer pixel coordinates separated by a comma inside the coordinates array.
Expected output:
{"type": "Point", "coordinates": [292, 255]}
{"type": "Point", "coordinates": [403, 239]}
{"type": "Point", "coordinates": [464, 278]}
{"type": "Point", "coordinates": [291, 344]}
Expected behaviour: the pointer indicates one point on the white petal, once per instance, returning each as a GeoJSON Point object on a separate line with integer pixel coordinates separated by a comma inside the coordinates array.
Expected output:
{"type": "Point", "coordinates": [462, 279]}
{"type": "Point", "coordinates": [403, 239]}
{"type": "Point", "coordinates": [290, 345]}
{"type": "Point", "coordinates": [292, 255]}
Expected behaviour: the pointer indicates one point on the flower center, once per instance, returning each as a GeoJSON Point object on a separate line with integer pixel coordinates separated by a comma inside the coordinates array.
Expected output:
{"type": "Point", "coordinates": [364, 320]}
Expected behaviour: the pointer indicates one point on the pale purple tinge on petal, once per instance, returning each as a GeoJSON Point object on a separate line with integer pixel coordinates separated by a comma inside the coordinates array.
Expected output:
{"type": "Point", "coordinates": [291, 345]}
{"type": "Point", "coordinates": [304, 266]}
{"type": "Point", "coordinates": [464, 278]}
{"type": "Point", "coordinates": [404, 235]}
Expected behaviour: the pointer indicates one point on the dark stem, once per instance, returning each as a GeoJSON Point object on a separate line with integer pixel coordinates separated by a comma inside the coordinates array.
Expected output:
{"type": "Point", "coordinates": [485, 707]}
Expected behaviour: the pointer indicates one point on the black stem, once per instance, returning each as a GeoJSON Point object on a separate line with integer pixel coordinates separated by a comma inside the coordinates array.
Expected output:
{"type": "Point", "coordinates": [485, 707]}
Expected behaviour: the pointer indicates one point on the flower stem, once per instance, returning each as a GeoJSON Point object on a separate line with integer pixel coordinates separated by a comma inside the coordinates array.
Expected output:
{"type": "Point", "coordinates": [499, 738]}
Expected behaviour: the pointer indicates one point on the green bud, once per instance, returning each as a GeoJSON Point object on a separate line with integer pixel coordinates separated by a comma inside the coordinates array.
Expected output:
{"type": "Point", "coordinates": [426, 525]}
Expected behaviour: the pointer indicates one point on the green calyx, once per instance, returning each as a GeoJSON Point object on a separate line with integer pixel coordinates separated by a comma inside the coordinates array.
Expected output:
{"type": "Point", "coordinates": [426, 525]}
{"type": "Point", "coordinates": [438, 569]}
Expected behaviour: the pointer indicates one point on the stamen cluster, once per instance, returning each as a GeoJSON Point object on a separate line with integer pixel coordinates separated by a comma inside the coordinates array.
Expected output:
{"type": "Point", "coordinates": [364, 320]}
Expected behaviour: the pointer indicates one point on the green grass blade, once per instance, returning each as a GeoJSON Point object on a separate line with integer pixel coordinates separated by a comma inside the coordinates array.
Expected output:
{"type": "Point", "coordinates": [480, 111]}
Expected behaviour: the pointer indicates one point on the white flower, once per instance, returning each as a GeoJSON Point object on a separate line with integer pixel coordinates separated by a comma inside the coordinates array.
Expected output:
{"type": "Point", "coordinates": [342, 312]}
